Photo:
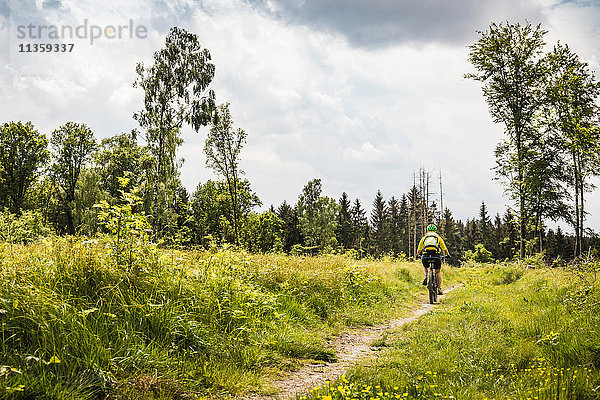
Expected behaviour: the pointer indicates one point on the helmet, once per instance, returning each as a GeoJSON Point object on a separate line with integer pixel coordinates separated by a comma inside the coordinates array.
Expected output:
{"type": "Point", "coordinates": [431, 228]}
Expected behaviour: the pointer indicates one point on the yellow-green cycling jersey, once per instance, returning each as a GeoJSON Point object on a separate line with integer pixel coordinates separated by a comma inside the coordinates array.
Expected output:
{"type": "Point", "coordinates": [440, 242]}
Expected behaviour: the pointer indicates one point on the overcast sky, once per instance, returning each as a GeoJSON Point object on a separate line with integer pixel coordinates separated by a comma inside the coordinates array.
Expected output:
{"type": "Point", "coordinates": [360, 94]}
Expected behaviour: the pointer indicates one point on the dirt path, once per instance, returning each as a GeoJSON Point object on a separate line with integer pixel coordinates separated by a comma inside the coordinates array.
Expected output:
{"type": "Point", "coordinates": [350, 346]}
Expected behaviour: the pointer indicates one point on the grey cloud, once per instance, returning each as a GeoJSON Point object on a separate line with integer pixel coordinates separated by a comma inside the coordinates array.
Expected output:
{"type": "Point", "coordinates": [166, 14]}
{"type": "Point", "coordinates": [52, 5]}
{"type": "Point", "coordinates": [4, 9]}
{"type": "Point", "coordinates": [380, 23]}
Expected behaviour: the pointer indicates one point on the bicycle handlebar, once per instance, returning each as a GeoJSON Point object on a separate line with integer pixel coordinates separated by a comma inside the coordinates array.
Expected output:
{"type": "Point", "coordinates": [441, 256]}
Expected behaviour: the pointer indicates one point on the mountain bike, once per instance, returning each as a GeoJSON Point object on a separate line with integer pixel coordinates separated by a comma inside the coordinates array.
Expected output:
{"type": "Point", "coordinates": [431, 278]}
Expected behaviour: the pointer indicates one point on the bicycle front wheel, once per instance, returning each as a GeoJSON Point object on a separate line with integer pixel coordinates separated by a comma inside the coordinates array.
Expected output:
{"type": "Point", "coordinates": [432, 286]}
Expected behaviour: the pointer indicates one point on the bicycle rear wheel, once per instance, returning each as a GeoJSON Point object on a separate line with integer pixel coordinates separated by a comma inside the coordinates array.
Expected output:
{"type": "Point", "coordinates": [432, 286]}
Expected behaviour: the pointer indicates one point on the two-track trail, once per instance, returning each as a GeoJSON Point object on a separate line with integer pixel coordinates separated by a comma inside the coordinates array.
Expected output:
{"type": "Point", "coordinates": [350, 347]}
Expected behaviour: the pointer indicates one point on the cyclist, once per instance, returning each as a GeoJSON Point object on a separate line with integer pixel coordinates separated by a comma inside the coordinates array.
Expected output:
{"type": "Point", "coordinates": [432, 245]}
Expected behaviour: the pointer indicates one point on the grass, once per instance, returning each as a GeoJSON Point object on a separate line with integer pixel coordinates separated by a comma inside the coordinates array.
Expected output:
{"type": "Point", "coordinates": [80, 322]}
{"type": "Point", "coordinates": [507, 333]}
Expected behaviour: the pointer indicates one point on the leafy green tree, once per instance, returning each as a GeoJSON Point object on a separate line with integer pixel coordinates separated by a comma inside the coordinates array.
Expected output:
{"type": "Point", "coordinates": [211, 211]}
{"type": "Point", "coordinates": [72, 146]}
{"type": "Point", "coordinates": [545, 193]}
{"type": "Point", "coordinates": [262, 232]}
{"type": "Point", "coordinates": [129, 229]}
{"type": "Point", "coordinates": [207, 210]}
{"type": "Point", "coordinates": [23, 153]}
{"type": "Point", "coordinates": [184, 220]}
{"type": "Point", "coordinates": [176, 91]}
{"type": "Point", "coordinates": [118, 157]}
{"type": "Point", "coordinates": [88, 193]}
{"type": "Point", "coordinates": [507, 58]}
{"type": "Point", "coordinates": [572, 114]}
{"type": "Point", "coordinates": [222, 148]}
{"type": "Point", "coordinates": [318, 216]}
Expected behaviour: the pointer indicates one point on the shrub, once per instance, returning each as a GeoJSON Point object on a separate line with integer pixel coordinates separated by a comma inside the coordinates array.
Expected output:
{"type": "Point", "coordinates": [25, 228]}
{"type": "Point", "coordinates": [480, 255]}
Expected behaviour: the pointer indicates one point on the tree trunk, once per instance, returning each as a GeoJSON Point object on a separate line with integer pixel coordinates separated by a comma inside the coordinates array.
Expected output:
{"type": "Point", "coordinates": [582, 212]}
{"type": "Point", "coordinates": [70, 223]}
{"type": "Point", "coordinates": [522, 228]}
{"type": "Point", "coordinates": [236, 217]}
{"type": "Point", "coordinates": [155, 189]}
{"type": "Point", "coordinates": [578, 223]}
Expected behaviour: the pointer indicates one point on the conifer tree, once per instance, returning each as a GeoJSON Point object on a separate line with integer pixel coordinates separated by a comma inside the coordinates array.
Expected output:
{"type": "Point", "coordinates": [483, 226]}
{"type": "Point", "coordinates": [344, 227]}
{"type": "Point", "coordinates": [394, 226]}
{"type": "Point", "coordinates": [360, 227]}
{"type": "Point", "coordinates": [379, 226]}
{"type": "Point", "coordinates": [291, 226]}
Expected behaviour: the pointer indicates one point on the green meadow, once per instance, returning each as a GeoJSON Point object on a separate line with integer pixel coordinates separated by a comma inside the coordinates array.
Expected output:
{"type": "Point", "coordinates": [509, 332]}
{"type": "Point", "coordinates": [83, 321]}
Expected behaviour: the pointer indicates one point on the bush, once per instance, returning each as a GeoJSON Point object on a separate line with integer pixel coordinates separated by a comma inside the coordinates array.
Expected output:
{"type": "Point", "coordinates": [25, 228]}
{"type": "Point", "coordinates": [480, 255]}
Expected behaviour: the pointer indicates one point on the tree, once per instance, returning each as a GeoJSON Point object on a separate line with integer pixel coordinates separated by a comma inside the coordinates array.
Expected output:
{"type": "Point", "coordinates": [23, 152]}
{"type": "Point", "coordinates": [176, 91]}
{"type": "Point", "coordinates": [262, 232]}
{"type": "Point", "coordinates": [223, 146]}
{"type": "Point", "coordinates": [404, 234]}
{"type": "Point", "coordinates": [379, 224]}
{"type": "Point", "coordinates": [545, 193]}
{"type": "Point", "coordinates": [483, 226]}
{"type": "Point", "coordinates": [118, 157]}
{"type": "Point", "coordinates": [128, 228]}
{"type": "Point", "coordinates": [211, 211]}
{"type": "Point", "coordinates": [509, 236]}
{"type": "Point", "coordinates": [318, 216]}
{"type": "Point", "coordinates": [507, 58]}
{"type": "Point", "coordinates": [183, 218]}
{"type": "Point", "coordinates": [360, 227]}
{"type": "Point", "coordinates": [394, 226]}
{"type": "Point", "coordinates": [558, 246]}
{"type": "Point", "coordinates": [572, 115]}
{"type": "Point", "coordinates": [344, 226]}
{"type": "Point", "coordinates": [451, 236]}
{"type": "Point", "coordinates": [72, 145]}
{"type": "Point", "coordinates": [290, 226]}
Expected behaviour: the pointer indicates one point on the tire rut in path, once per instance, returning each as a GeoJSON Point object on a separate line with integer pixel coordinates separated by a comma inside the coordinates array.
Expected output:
{"type": "Point", "coordinates": [350, 346]}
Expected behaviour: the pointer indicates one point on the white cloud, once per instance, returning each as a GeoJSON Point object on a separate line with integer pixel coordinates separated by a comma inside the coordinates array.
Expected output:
{"type": "Point", "coordinates": [315, 101]}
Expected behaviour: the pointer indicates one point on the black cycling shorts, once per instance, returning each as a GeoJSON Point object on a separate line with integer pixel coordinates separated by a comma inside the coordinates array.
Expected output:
{"type": "Point", "coordinates": [437, 261]}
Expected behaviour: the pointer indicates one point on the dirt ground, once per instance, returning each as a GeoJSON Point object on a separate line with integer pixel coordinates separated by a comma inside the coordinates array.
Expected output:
{"type": "Point", "coordinates": [350, 346]}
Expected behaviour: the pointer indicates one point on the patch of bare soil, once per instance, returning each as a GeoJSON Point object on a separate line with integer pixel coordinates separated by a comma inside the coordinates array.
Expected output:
{"type": "Point", "coordinates": [350, 346]}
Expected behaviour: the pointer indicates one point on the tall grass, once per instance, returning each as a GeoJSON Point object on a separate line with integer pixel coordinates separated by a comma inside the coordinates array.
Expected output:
{"type": "Point", "coordinates": [173, 324]}
{"type": "Point", "coordinates": [508, 333]}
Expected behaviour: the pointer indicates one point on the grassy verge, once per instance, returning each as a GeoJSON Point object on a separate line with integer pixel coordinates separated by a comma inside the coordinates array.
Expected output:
{"type": "Point", "coordinates": [80, 322]}
{"type": "Point", "coordinates": [508, 333]}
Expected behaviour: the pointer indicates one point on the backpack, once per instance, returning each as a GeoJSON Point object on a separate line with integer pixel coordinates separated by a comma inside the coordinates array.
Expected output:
{"type": "Point", "coordinates": [431, 243]}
